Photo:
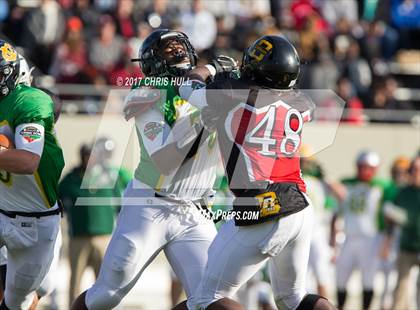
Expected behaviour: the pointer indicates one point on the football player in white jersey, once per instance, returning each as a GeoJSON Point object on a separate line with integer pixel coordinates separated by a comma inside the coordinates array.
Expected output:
{"type": "Point", "coordinates": [163, 205]}
{"type": "Point", "coordinates": [360, 208]}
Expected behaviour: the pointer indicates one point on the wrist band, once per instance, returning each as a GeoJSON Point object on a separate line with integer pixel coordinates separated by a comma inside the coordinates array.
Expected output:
{"type": "Point", "coordinates": [212, 70]}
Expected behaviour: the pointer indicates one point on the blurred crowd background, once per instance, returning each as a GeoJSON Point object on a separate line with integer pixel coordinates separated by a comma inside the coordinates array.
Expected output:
{"type": "Point", "coordinates": [366, 50]}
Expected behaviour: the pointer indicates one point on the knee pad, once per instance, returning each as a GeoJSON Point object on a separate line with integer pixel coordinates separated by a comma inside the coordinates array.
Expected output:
{"type": "Point", "coordinates": [100, 297]}
{"type": "Point", "coordinates": [308, 302]}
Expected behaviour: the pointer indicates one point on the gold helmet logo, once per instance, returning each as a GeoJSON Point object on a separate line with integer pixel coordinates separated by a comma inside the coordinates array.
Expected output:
{"type": "Point", "coordinates": [8, 52]}
{"type": "Point", "coordinates": [260, 50]}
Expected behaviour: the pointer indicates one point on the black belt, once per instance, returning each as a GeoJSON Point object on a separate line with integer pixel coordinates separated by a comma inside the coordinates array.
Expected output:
{"type": "Point", "coordinates": [13, 214]}
{"type": "Point", "coordinates": [200, 201]}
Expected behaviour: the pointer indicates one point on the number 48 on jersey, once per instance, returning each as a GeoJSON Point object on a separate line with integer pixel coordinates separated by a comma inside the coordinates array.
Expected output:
{"type": "Point", "coordinates": [271, 136]}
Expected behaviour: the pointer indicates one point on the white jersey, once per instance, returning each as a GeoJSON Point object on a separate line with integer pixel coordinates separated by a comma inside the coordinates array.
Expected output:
{"type": "Point", "coordinates": [194, 179]}
{"type": "Point", "coordinates": [360, 209]}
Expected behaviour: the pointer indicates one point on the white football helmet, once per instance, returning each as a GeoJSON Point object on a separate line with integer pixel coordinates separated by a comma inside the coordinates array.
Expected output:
{"type": "Point", "coordinates": [369, 158]}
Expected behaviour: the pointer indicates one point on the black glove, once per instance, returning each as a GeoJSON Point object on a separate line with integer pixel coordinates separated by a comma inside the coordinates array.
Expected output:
{"type": "Point", "coordinates": [224, 64]}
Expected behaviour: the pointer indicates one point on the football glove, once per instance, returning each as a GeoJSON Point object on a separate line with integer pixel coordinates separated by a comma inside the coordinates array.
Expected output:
{"type": "Point", "coordinates": [224, 64]}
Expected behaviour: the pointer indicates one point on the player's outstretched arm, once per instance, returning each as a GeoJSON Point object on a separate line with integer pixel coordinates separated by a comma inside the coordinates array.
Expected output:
{"type": "Point", "coordinates": [338, 190]}
{"type": "Point", "coordinates": [162, 162]}
{"type": "Point", "coordinates": [168, 146]}
{"type": "Point", "coordinates": [185, 136]}
{"type": "Point", "coordinates": [19, 161]}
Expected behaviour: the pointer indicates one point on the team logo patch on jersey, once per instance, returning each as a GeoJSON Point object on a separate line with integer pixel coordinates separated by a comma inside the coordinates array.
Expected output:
{"type": "Point", "coordinates": [30, 134]}
{"type": "Point", "coordinates": [152, 129]}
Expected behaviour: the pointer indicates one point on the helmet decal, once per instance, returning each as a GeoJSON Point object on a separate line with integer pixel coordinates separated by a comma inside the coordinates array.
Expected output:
{"type": "Point", "coordinates": [9, 68]}
{"type": "Point", "coordinates": [261, 49]}
{"type": "Point", "coordinates": [8, 52]}
{"type": "Point", "coordinates": [271, 61]}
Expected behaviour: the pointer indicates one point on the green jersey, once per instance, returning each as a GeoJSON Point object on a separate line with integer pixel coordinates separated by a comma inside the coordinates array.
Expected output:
{"type": "Point", "coordinates": [408, 199]}
{"type": "Point", "coordinates": [27, 118]}
{"type": "Point", "coordinates": [91, 220]}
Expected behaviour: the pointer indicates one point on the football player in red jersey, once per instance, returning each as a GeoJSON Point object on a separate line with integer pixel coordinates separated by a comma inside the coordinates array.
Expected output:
{"type": "Point", "coordinates": [259, 119]}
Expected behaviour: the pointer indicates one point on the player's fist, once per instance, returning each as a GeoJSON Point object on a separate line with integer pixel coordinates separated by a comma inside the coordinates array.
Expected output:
{"type": "Point", "coordinates": [224, 64]}
{"type": "Point", "coordinates": [6, 143]}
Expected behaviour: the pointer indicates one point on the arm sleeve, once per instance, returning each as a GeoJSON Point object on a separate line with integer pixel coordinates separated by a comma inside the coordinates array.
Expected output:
{"type": "Point", "coordinates": [33, 117]}
{"type": "Point", "coordinates": [30, 137]}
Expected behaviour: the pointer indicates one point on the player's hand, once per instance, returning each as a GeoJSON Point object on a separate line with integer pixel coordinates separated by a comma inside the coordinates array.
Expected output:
{"type": "Point", "coordinates": [224, 64]}
{"type": "Point", "coordinates": [209, 118]}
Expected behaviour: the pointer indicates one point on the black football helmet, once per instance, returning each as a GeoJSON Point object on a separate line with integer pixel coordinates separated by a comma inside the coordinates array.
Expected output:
{"type": "Point", "coordinates": [9, 68]}
{"type": "Point", "coordinates": [152, 63]}
{"type": "Point", "coordinates": [272, 61]}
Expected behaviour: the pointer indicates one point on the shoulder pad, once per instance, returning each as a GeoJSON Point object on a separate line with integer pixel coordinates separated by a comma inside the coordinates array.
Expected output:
{"type": "Point", "coordinates": [139, 100]}
{"type": "Point", "coordinates": [142, 95]}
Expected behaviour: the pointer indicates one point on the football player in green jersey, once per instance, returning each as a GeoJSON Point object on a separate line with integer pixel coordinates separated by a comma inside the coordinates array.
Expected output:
{"type": "Point", "coordinates": [163, 205]}
{"type": "Point", "coordinates": [29, 174]}
{"type": "Point", "coordinates": [47, 285]}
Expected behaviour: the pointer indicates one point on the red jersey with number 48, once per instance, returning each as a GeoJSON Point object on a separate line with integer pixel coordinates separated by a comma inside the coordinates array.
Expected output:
{"type": "Point", "coordinates": [261, 132]}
